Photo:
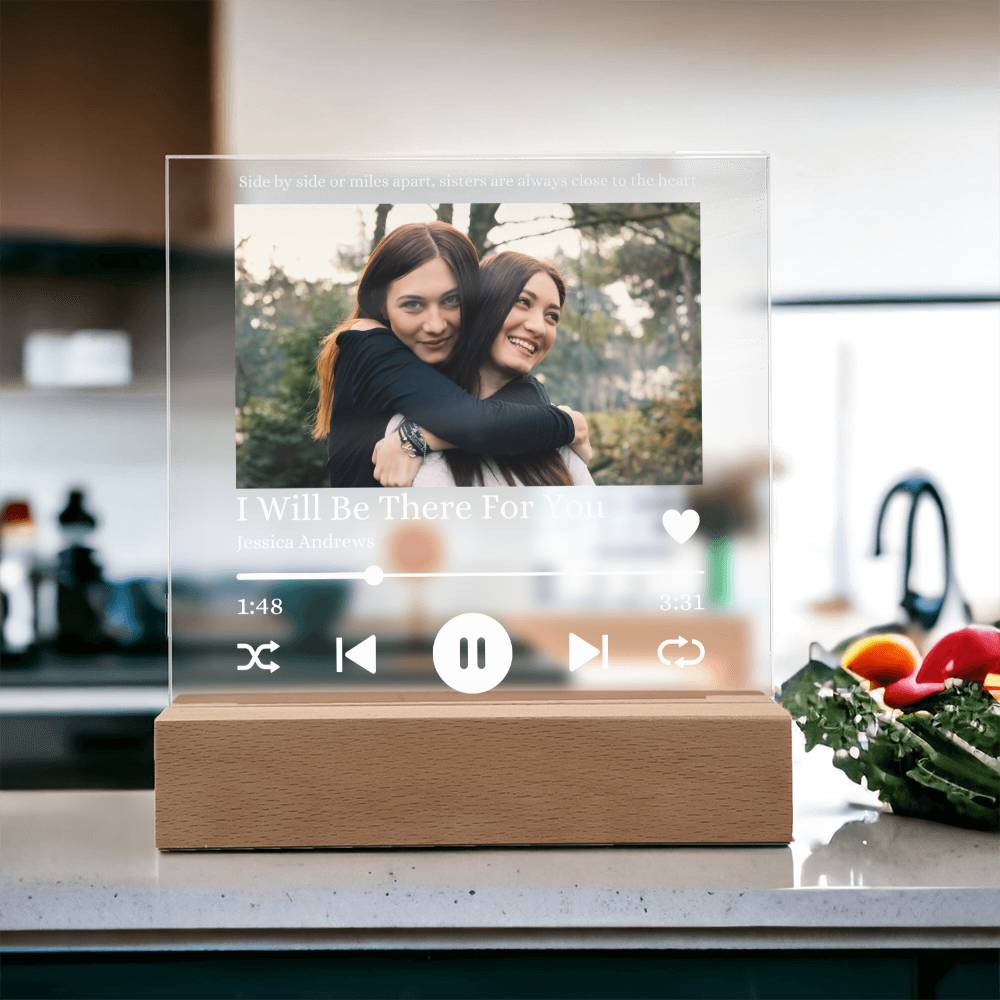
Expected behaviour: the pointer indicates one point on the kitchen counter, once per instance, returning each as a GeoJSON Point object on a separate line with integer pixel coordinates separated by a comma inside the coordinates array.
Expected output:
{"type": "Point", "coordinates": [80, 871]}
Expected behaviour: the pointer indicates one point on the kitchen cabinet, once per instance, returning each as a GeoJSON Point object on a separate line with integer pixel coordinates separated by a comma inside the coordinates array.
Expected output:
{"type": "Point", "coordinates": [95, 95]}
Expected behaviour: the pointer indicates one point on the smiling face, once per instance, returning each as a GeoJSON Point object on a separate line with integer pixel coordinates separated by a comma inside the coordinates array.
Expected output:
{"type": "Point", "coordinates": [529, 331]}
{"type": "Point", "coordinates": [424, 309]}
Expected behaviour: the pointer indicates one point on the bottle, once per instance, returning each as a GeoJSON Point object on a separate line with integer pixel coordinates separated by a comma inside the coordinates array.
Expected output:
{"type": "Point", "coordinates": [82, 593]}
{"type": "Point", "coordinates": [18, 583]}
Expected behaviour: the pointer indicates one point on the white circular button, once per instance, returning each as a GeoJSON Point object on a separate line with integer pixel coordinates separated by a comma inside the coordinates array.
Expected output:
{"type": "Point", "coordinates": [472, 653]}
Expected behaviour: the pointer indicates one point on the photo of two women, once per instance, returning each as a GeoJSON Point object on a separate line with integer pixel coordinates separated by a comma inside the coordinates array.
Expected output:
{"type": "Point", "coordinates": [497, 345]}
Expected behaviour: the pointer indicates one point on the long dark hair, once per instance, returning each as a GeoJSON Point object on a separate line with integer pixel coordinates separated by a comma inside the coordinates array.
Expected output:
{"type": "Point", "coordinates": [501, 280]}
{"type": "Point", "coordinates": [398, 253]}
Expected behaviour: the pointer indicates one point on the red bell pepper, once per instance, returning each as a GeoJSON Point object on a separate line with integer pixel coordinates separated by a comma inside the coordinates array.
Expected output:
{"type": "Point", "coordinates": [970, 654]}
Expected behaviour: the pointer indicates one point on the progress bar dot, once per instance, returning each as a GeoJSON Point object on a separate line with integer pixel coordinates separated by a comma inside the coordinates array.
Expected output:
{"type": "Point", "coordinates": [374, 575]}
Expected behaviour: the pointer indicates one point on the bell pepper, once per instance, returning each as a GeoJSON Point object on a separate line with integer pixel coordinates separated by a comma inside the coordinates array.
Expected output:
{"type": "Point", "coordinates": [909, 690]}
{"type": "Point", "coordinates": [970, 654]}
{"type": "Point", "coordinates": [881, 659]}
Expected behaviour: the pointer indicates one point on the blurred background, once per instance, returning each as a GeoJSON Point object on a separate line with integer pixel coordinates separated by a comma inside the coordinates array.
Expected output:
{"type": "Point", "coordinates": [880, 119]}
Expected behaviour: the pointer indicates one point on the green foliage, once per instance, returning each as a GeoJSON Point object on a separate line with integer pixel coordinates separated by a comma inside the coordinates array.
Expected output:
{"type": "Point", "coordinates": [656, 442]}
{"type": "Point", "coordinates": [938, 760]}
{"type": "Point", "coordinates": [279, 326]}
{"type": "Point", "coordinates": [655, 251]}
{"type": "Point", "coordinates": [610, 357]}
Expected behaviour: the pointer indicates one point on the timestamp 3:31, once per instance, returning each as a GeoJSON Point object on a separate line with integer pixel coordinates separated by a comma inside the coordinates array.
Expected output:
{"type": "Point", "coordinates": [681, 602]}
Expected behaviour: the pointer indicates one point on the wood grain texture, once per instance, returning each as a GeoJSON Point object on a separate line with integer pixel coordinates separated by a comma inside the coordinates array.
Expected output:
{"type": "Point", "coordinates": [432, 769]}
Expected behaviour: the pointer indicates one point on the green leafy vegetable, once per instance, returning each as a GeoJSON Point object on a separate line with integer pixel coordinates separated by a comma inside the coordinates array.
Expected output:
{"type": "Point", "coordinates": [938, 760]}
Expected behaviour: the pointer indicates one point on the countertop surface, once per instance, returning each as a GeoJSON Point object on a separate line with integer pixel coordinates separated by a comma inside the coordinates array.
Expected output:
{"type": "Point", "coordinates": [80, 870]}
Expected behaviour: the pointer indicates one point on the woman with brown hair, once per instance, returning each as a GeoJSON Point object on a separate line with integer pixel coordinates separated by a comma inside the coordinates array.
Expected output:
{"type": "Point", "coordinates": [417, 290]}
{"type": "Point", "coordinates": [520, 303]}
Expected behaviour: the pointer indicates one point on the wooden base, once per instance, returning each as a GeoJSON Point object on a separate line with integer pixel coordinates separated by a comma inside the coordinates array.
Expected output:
{"type": "Point", "coordinates": [441, 769]}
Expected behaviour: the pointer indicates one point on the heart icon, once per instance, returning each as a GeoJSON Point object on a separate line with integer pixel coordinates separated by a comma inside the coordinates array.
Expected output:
{"type": "Point", "coordinates": [680, 525]}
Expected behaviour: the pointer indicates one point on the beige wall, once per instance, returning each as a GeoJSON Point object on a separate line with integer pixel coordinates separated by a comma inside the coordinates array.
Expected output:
{"type": "Point", "coordinates": [881, 117]}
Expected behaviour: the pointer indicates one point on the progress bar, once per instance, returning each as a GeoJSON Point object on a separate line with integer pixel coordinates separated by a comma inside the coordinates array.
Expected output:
{"type": "Point", "coordinates": [374, 575]}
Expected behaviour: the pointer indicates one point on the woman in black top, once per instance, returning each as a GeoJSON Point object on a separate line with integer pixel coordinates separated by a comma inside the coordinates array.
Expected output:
{"type": "Point", "coordinates": [515, 327]}
{"type": "Point", "coordinates": [419, 286]}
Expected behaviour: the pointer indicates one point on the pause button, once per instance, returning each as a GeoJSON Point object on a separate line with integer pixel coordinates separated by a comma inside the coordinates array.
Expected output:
{"type": "Point", "coordinates": [472, 653]}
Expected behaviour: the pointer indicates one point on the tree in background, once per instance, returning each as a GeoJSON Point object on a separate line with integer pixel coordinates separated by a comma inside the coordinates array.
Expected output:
{"type": "Point", "coordinates": [640, 381]}
{"type": "Point", "coordinates": [656, 252]}
{"type": "Point", "coordinates": [279, 325]}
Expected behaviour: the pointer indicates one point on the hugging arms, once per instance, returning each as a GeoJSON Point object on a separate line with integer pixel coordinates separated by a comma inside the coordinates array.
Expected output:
{"type": "Point", "coordinates": [424, 344]}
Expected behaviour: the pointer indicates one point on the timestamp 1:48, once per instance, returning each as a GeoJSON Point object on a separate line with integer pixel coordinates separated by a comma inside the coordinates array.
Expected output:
{"type": "Point", "coordinates": [265, 606]}
{"type": "Point", "coordinates": [681, 602]}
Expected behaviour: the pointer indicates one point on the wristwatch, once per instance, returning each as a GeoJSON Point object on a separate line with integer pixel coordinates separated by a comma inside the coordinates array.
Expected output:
{"type": "Point", "coordinates": [412, 440]}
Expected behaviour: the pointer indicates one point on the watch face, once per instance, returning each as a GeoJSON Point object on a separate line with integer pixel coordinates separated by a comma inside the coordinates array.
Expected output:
{"type": "Point", "coordinates": [480, 425]}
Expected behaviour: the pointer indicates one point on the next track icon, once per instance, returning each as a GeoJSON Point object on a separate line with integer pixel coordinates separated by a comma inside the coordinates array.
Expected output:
{"type": "Point", "coordinates": [582, 652]}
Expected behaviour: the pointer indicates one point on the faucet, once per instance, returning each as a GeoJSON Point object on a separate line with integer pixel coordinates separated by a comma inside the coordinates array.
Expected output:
{"type": "Point", "coordinates": [920, 609]}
